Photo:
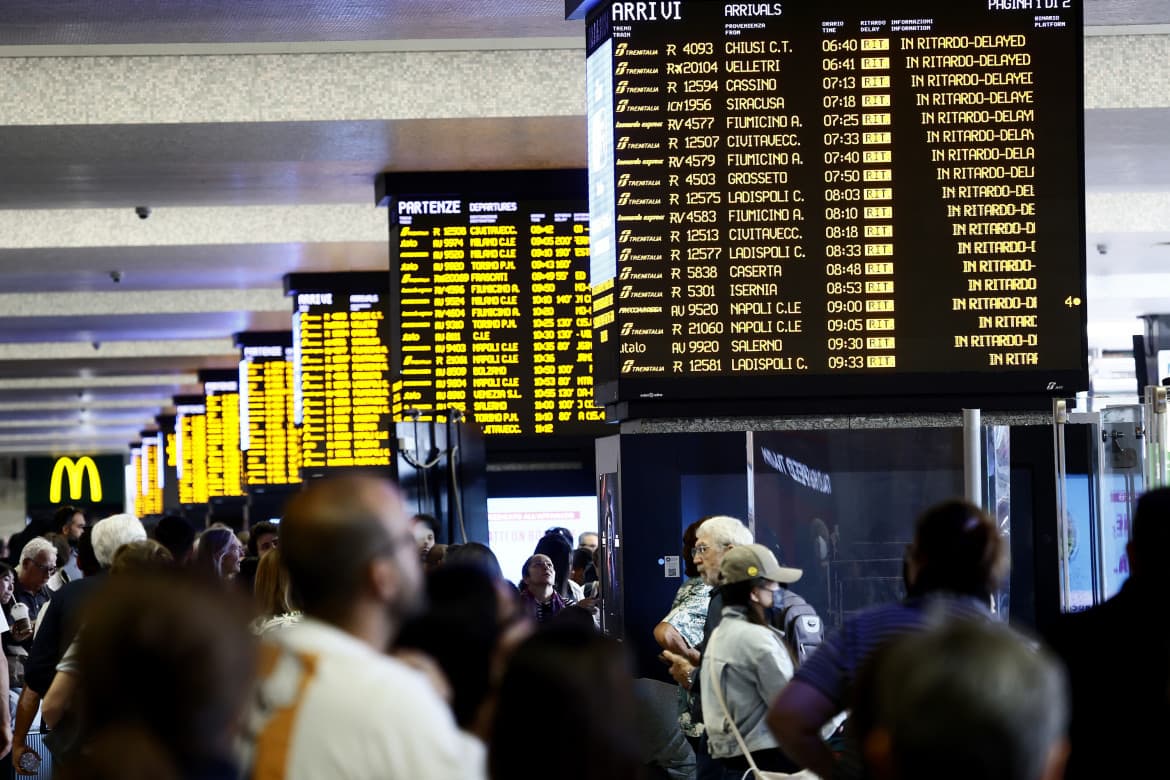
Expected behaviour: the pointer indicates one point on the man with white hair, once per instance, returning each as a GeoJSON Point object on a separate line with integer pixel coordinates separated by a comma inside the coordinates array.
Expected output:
{"type": "Point", "coordinates": [62, 617]}
{"type": "Point", "coordinates": [38, 561]}
{"type": "Point", "coordinates": [714, 537]}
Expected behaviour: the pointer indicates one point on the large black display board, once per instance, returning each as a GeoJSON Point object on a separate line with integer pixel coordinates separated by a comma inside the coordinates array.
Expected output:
{"type": "Point", "coordinates": [269, 439]}
{"type": "Point", "coordinates": [489, 272]}
{"type": "Point", "coordinates": [836, 197]}
{"type": "Point", "coordinates": [341, 370]}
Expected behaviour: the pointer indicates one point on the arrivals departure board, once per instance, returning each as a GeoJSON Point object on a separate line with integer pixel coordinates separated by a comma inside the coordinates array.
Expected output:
{"type": "Point", "coordinates": [490, 272]}
{"type": "Point", "coordinates": [191, 448]}
{"type": "Point", "coordinates": [136, 471]}
{"type": "Point", "coordinates": [225, 472]}
{"type": "Point", "coordinates": [150, 498]}
{"type": "Point", "coordinates": [270, 441]}
{"type": "Point", "coordinates": [837, 198]}
{"type": "Point", "coordinates": [342, 369]}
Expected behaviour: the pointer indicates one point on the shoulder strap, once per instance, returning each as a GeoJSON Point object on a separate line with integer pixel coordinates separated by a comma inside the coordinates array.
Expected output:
{"type": "Point", "coordinates": [747, 754]}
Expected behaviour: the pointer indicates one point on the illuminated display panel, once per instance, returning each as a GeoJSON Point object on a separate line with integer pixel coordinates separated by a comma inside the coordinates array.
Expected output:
{"type": "Point", "coordinates": [191, 449]}
{"type": "Point", "coordinates": [150, 497]}
{"type": "Point", "coordinates": [136, 472]}
{"type": "Point", "coordinates": [224, 459]}
{"type": "Point", "coordinates": [490, 272]}
{"type": "Point", "coordinates": [268, 437]}
{"type": "Point", "coordinates": [342, 371]}
{"type": "Point", "coordinates": [836, 198]}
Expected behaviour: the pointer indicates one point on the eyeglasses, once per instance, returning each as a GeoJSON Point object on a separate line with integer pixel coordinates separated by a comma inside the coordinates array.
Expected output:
{"type": "Point", "coordinates": [703, 549]}
{"type": "Point", "coordinates": [47, 568]}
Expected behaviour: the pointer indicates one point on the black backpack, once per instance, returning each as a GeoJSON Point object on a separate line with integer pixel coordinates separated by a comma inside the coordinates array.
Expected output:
{"type": "Point", "coordinates": [803, 629]}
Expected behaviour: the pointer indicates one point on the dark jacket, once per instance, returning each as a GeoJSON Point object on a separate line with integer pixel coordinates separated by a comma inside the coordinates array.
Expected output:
{"type": "Point", "coordinates": [1118, 659]}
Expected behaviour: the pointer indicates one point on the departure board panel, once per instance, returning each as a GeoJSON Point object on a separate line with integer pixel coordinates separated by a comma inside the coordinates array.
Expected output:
{"type": "Point", "coordinates": [342, 369]}
{"type": "Point", "coordinates": [494, 306]}
{"type": "Point", "coordinates": [837, 198]}
{"type": "Point", "coordinates": [138, 475]}
{"type": "Point", "coordinates": [269, 439]}
{"type": "Point", "coordinates": [224, 460]}
{"type": "Point", "coordinates": [150, 498]}
{"type": "Point", "coordinates": [191, 449]}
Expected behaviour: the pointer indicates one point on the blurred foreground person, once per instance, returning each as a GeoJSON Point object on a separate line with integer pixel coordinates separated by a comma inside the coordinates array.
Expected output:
{"type": "Point", "coordinates": [143, 557]}
{"type": "Point", "coordinates": [168, 659]}
{"type": "Point", "coordinates": [566, 665]}
{"type": "Point", "coordinates": [331, 703]}
{"type": "Point", "coordinates": [1121, 703]}
{"type": "Point", "coordinates": [954, 564]}
{"type": "Point", "coordinates": [460, 629]}
{"type": "Point", "coordinates": [966, 701]}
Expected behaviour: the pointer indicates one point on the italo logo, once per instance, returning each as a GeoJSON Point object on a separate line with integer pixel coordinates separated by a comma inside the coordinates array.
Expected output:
{"type": "Point", "coordinates": [77, 471]}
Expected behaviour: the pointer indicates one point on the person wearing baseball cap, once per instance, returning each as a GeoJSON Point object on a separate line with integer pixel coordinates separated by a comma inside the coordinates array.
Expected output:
{"type": "Point", "coordinates": [746, 663]}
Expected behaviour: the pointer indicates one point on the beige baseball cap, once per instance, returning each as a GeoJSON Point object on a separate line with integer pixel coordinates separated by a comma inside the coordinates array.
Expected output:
{"type": "Point", "coordinates": [749, 561]}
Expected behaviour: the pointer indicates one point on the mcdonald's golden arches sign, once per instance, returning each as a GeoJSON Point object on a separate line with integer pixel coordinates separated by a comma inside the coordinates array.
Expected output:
{"type": "Point", "coordinates": [84, 480]}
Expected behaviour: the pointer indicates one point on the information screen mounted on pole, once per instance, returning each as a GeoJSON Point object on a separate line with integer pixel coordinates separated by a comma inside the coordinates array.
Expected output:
{"type": "Point", "coordinates": [836, 198]}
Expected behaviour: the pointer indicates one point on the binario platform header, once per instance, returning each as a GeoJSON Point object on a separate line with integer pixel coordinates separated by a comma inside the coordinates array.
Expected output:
{"type": "Point", "coordinates": [837, 198]}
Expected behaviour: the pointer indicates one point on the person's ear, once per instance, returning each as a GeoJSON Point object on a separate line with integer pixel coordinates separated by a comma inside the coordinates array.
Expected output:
{"type": "Point", "coordinates": [384, 578]}
{"type": "Point", "coordinates": [1057, 758]}
{"type": "Point", "coordinates": [878, 753]}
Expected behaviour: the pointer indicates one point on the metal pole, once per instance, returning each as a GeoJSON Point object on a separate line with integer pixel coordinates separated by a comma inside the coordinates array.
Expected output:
{"type": "Point", "coordinates": [1156, 435]}
{"type": "Point", "coordinates": [972, 457]}
{"type": "Point", "coordinates": [1059, 419]}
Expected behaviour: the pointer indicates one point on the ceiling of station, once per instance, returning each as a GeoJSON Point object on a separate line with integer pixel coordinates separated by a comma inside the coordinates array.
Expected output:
{"type": "Point", "coordinates": [49, 359]}
{"type": "Point", "coordinates": [88, 22]}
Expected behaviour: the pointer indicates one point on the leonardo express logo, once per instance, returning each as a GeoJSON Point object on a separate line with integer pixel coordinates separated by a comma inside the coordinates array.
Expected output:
{"type": "Point", "coordinates": [77, 471]}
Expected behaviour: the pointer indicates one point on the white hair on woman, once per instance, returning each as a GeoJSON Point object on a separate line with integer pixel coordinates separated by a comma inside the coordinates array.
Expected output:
{"type": "Point", "coordinates": [112, 532]}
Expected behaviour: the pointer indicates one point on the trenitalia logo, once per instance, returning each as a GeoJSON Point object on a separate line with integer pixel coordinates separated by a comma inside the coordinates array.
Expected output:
{"type": "Point", "coordinates": [76, 471]}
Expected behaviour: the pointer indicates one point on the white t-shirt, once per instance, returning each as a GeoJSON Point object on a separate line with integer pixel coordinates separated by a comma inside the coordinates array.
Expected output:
{"type": "Point", "coordinates": [330, 706]}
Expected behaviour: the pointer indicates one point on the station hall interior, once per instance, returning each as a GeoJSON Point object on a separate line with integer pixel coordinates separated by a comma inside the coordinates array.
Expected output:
{"type": "Point", "coordinates": [166, 163]}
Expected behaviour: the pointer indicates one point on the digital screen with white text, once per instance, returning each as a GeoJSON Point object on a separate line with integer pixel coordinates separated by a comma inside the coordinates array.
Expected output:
{"type": "Point", "coordinates": [836, 197]}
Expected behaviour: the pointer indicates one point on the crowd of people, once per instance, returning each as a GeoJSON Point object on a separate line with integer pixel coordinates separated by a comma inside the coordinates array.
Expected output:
{"type": "Point", "coordinates": [338, 644]}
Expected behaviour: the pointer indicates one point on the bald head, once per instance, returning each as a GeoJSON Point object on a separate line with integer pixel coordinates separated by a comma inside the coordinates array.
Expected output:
{"type": "Point", "coordinates": [347, 541]}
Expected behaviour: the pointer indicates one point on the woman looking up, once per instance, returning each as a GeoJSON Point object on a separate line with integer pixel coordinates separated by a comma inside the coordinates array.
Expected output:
{"type": "Point", "coordinates": [746, 663]}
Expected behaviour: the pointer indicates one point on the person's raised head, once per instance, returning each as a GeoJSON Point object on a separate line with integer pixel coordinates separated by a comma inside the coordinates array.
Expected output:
{"type": "Point", "coordinates": [957, 549]}
{"type": "Point", "coordinates": [969, 700]}
{"type": "Point", "coordinates": [112, 532]}
{"type": "Point", "coordinates": [716, 535]}
{"type": "Point", "coordinates": [219, 552]}
{"type": "Point", "coordinates": [262, 537]}
{"type": "Point", "coordinates": [142, 557]}
{"type": "Point", "coordinates": [272, 586]}
{"type": "Point", "coordinates": [478, 555]}
{"type": "Point", "coordinates": [750, 575]}
{"type": "Point", "coordinates": [69, 521]}
{"type": "Point", "coordinates": [1151, 532]}
{"type": "Point", "coordinates": [559, 550]}
{"type": "Point", "coordinates": [588, 540]}
{"type": "Point", "coordinates": [348, 544]}
{"type": "Point", "coordinates": [688, 549]}
{"type": "Point", "coordinates": [177, 535]}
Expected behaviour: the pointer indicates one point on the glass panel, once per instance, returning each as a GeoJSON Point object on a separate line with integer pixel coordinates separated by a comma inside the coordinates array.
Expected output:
{"type": "Point", "coordinates": [841, 504]}
{"type": "Point", "coordinates": [1121, 482]}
